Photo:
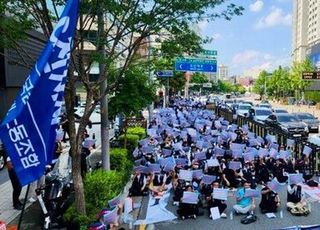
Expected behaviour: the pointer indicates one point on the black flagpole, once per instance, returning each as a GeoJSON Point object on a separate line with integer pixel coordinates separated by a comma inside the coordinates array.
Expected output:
{"type": "Point", "coordinates": [23, 207]}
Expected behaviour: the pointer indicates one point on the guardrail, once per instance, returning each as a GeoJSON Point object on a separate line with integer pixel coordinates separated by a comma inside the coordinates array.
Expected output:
{"type": "Point", "coordinates": [262, 130]}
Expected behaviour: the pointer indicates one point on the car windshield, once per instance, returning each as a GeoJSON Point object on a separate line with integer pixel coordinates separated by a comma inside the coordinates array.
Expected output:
{"type": "Point", "coordinates": [287, 118]}
{"type": "Point", "coordinates": [244, 107]}
{"type": "Point", "coordinates": [263, 112]}
{"type": "Point", "coordinates": [306, 116]}
{"type": "Point", "coordinates": [281, 111]}
{"type": "Point", "coordinates": [265, 106]}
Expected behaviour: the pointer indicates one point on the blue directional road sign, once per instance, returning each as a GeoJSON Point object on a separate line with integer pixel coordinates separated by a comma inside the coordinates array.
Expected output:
{"type": "Point", "coordinates": [196, 65]}
{"type": "Point", "coordinates": [164, 73]}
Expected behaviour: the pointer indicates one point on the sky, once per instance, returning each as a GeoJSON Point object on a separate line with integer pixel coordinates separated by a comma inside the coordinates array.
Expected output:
{"type": "Point", "coordinates": [259, 39]}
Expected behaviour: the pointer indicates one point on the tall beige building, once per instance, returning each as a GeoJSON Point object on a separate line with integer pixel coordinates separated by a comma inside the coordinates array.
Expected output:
{"type": "Point", "coordinates": [306, 30]}
{"type": "Point", "coordinates": [300, 29]}
{"type": "Point", "coordinates": [223, 72]}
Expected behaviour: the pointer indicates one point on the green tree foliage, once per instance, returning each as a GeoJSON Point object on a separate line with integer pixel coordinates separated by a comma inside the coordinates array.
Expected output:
{"type": "Point", "coordinates": [133, 93]}
{"type": "Point", "coordinates": [130, 24]}
{"type": "Point", "coordinates": [296, 74]}
{"type": "Point", "coordinates": [199, 78]}
{"type": "Point", "coordinates": [260, 84]}
{"type": "Point", "coordinates": [284, 82]}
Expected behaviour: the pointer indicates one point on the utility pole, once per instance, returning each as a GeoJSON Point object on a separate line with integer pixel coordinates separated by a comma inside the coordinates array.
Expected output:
{"type": "Point", "coordinates": [105, 144]}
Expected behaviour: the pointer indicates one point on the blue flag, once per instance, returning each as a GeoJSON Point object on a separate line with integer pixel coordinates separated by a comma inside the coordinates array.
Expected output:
{"type": "Point", "coordinates": [29, 129]}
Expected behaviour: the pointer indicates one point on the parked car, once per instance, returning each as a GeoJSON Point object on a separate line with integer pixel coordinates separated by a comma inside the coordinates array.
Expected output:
{"type": "Point", "coordinates": [260, 114]}
{"type": "Point", "coordinates": [289, 124]}
{"type": "Point", "coordinates": [280, 110]}
{"type": "Point", "coordinates": [265, 105]}
{"type": "Point", "coordinates": [310, 120]}
{"type": "Point", "coordinates": [229, 102]}
{"type": "Point", "coordinates": [243, 109]}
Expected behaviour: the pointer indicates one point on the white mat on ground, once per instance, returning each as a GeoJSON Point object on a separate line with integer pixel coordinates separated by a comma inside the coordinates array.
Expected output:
{"type": "Point", "coordinates": [157, 213]}
{"type": "Point", "coordinates": [312, 192]}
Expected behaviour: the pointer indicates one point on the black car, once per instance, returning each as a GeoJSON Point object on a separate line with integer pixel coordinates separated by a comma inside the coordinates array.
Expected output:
{"type": "Point", "coordinates": [289, 124]}
{"type": "Point", "coordinates": [312, 122]}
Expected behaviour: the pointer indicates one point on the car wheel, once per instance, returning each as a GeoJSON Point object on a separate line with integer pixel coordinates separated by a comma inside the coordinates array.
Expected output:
{"type": "Point", "coordinates": [1, 161]}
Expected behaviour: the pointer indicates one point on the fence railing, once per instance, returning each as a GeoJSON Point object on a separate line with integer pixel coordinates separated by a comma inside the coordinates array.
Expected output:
{"type": "Point", "coordinates": [133, 122]}
{"type": "Point", "coordinates": [263, 130]}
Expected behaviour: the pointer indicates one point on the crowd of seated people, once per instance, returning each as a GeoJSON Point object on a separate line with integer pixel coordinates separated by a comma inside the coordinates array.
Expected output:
{"type": "Point", "coordinates": [194, 151]}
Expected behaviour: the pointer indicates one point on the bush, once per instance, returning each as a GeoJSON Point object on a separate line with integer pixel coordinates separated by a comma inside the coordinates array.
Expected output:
{"type": "Point", "coordinates": [140, 131]}
{"type": "Point", "coordinates": [101, 186]}
{"type": "Point", "coordinates": [312, 95]}
{"type": "Point", "coordinates": [120, 161]}
{"type": "Point", "coordinates": [132, 140]}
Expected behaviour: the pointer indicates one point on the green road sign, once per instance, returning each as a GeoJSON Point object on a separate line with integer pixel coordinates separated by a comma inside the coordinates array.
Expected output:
{"type": "Point", "coordinates": [209, 53]}
{"type": "Point", "coordinates": [194, 60]}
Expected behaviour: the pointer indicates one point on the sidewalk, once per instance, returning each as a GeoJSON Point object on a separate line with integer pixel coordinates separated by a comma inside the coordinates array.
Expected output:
{"type": "Point", "coordinates": [10, 215]}
{"type": "Point", "coordinates": [7, 213]}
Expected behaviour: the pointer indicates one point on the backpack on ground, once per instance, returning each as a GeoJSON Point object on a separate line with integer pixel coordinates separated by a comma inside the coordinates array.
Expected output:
{"type": "Point", "coordinates": [249, 219]}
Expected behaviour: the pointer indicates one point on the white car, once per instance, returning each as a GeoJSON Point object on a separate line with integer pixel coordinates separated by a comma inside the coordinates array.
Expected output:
{"type": "Point", "coordinates": [260, 114]}
{"type": "Point", "coordinates": [243, 109]}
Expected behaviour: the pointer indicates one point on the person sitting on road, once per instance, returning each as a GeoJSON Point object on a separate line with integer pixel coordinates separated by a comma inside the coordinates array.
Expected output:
{"type": "Point", "coordinates": [270, 200]}
{"type": "Point", "coordinates": [222, 206]}
{"type": "Point", "coordinates": [244, 205]}
{"type": "Point", "coordinates": [188, 210]}
{"type": "Point", "coordinates": [139, 185]}
{"type": "Point", "coordinates": [296, 204]}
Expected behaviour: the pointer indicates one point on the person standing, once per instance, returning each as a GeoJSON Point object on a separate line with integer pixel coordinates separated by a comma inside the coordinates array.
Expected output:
{"type": "Point", "coordinates": [15, 185]}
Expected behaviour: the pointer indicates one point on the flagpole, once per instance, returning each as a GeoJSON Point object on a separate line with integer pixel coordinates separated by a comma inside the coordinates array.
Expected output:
{"type": "Point", "coordinates": [23, 207]}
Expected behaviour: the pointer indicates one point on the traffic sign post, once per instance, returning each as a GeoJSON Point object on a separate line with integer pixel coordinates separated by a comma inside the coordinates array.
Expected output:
{"type": "Point", "coordinates": [311, 76]}
{"type": "Point", "coordinates": [164, 73]}
{"type": "Point", "coordinates": [196, 65]}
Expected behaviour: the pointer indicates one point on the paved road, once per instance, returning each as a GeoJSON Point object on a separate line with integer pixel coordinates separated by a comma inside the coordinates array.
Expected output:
{"type": "Point", "coordinates": [3, 176]}
{"type": "Point", "coordinates": [263, 223]}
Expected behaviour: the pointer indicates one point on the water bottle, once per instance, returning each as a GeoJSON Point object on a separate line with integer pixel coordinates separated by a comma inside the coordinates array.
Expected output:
{"type": "Point", "coordinates": [309, 207]}
{"type": "Point", "coordinates": [231, 215]}
{"type": "Point", "coordinates": [131, 224]}
{"type": "Point", "coordinates": [281, 214]}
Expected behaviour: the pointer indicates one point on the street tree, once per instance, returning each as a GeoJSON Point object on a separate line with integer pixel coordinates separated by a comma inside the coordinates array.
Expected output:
{"type": "Point", "coordinates": [297, 69]}
{"type": "Point", "coordinates": [132, 94]}
{"type": "Point", "coordinates": [127, 27]}
{"type": "Point", "coordinates": [260, 84]}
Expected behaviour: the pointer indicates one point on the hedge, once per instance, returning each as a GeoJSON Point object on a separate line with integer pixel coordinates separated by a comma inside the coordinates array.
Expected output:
{"type": "Point", "coordinates": [120, 161]}
{"type": "Point", "coordinates": [132, 140]}
{"type": "Point", "coordinates": [101, 186]}
{"type": "Point", "coordinates": [140, 131]}
{"type": "Point", "coordinates": [312, 95]}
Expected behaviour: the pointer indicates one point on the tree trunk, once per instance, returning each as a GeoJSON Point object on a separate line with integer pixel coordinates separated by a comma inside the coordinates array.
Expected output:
{"type": "Point", "coordinates": [75, 144]}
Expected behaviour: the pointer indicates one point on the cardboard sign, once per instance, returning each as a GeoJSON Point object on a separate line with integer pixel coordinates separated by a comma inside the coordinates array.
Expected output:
{"type": "Point", "coordinates": [111, 217]}
{"type": "Point", "coordinates": [295, 178]}
{"type": "Point", "coordinates": [190, 198]}
{"type": "Point", "coordinates": [208, 179]}
{"type": "Point", "coordinates": [115, 201]}
{"type": "Point", "coordinates": [185, 175]}
{"type": "Point", "coordinates": [251, 193]}
{"type": "Point", "coordinates": [220, 194]}
{"type": "Point", "coordinates": [234, 165]}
